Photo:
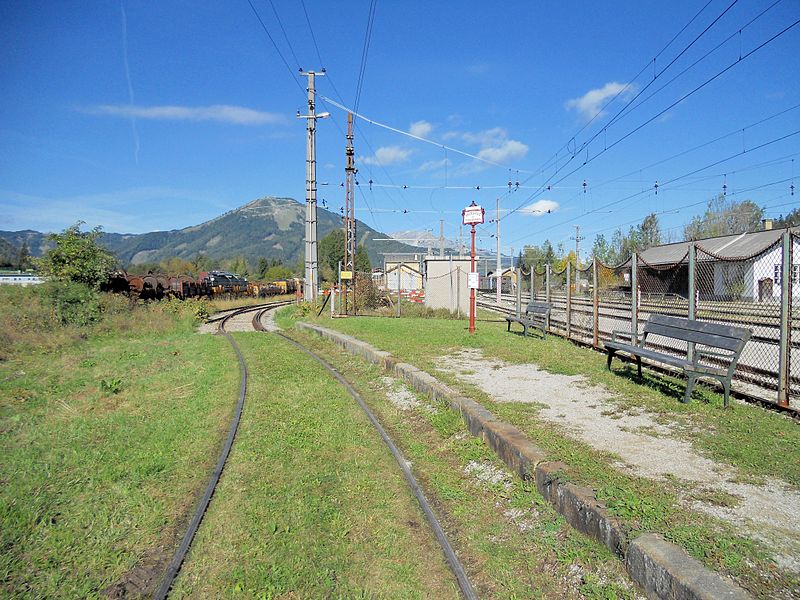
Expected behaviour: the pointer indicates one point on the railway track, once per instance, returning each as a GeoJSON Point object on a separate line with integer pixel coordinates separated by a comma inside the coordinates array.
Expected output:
{"type": "Point", "coordinates": [241, 319]}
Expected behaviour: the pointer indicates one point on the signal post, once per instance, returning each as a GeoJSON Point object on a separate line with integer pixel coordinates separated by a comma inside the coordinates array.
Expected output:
{"type": "Point", "coordinates": [472, 215]}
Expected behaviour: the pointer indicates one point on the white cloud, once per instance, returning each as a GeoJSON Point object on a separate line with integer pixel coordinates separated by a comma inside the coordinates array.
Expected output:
{"type": "Point", "coordinates": [420, 129]}
{"type": "Point", "coordinates": [488, 137]}
{"type": "Point", "coordinates": [433, 165]}
{"type": "Point", "coordinates": [508, 151]}
{"type": "Point", "coordinates": [591, 103]}
{"type": "Point", "coordinates": [237, 115]}
{"type": "Point", "coordinates": [540, 207]}
{"type": "Point", "coordinates": [387, 155]}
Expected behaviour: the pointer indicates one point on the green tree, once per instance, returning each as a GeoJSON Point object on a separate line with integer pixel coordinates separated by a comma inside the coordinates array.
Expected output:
{"type": "Point", "coordinates": [724, 217]}
{"type": "Point", "coordinates": [331, 249]}
{"type": "Point", "coordinates": [790, 220]}
{"type": "Point", "coordinates": [24, 257]}
{"type": "Point", "coordinates": [362, 260]}
{"type": "Point", "coordinates": [640, 237]}
{"type": "Point", "coordinates": [202, 263]}
{"type": "Point", "coordinates": [78, 257]}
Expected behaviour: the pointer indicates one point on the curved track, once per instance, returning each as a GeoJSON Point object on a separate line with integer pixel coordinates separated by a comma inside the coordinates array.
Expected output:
{"type": "Point", "coordinates": [174, 566]}
{"type": "Point", "coordinates": [452, 560]}
{"type": "Point", "coordinates": [180, 554]}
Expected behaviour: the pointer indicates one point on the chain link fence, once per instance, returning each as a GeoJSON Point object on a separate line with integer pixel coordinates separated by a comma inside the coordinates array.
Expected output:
{"type": "Point", "coordinates": [539, 291]}
{"type": "Point", "coordinates": [793, 360]}
{"type": "Point", "coordinates": [663, 289]}
{"type": "Point", "coordinates": [582, 305]}
{"type": "Point", "coordinates": [558, 298]}
{"type": "Point", "coordinates": [614, 298]}
{"type": "Point", "coordinates": [745, 292]}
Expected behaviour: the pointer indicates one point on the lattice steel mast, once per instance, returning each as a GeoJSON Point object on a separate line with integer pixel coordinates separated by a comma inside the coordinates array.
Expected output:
{"type": "Point", "coordinates": [349, 215]}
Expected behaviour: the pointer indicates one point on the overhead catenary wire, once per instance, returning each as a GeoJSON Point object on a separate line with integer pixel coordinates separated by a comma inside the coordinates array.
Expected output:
{"type": "Point", "coordinates": [601, 111]}
{"type": "Point", "coordinates": [412, 136]}
{"type": "Point", "coordinates": [666, 183]}
{"type": "Point", "coordinates": [660, 113]}
{"type": "Point", "coordinates": [277, 49]}
{"type": "Point", "coordinates": [365, 53]}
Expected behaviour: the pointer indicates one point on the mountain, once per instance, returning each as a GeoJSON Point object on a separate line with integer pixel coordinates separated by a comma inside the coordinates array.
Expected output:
{"type": "Point", "coordinates": [268, 227]}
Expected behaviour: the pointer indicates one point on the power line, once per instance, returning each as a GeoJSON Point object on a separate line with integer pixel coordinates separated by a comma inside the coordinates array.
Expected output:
{"type": "Point", "coordinates": [622, 91]}
{"type": "Point", "coordinates": [738, 32]}
{"type": "Point", "coordinates": [698, 147]}
{"type": "Point", "coordinates": [365, 53]}
{"type": "Point", "coordinates": [278, 50]}
{"type": "Point", "coordinates": [313, 37]}
{"type": "Point", "coordinates": [415, 137]}
{"type": "Point", "coordinates": [286, 37]}
{"type": "Point", "coordinates": [653, 118]}
{"type": "Point", "coordinates": [665, 183]}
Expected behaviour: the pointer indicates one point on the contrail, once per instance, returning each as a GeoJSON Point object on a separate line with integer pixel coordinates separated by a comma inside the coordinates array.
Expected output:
{"type": "Point", "coordinates": [128, 77]}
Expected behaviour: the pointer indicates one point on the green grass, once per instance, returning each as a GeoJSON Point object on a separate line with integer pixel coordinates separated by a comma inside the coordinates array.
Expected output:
{"type": "Point", "coordinates": [105, 444]}
{"type": "Point", "coordinates": [512, 543]}
{"type": "Point", "coordinates": [757, 443]}
{"type": "Point", "coordinates": [311, 504]}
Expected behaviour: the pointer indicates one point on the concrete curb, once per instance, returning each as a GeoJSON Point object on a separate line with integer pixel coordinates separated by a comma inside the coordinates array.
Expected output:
{"type": "Point", "coordinates": [663, 569]}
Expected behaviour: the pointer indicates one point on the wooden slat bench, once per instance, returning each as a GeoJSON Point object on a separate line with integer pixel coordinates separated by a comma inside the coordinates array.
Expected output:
{"type": "Point", "coordinates": [536, 316]}
{"type": "Point", "coordinates": [722, 344]}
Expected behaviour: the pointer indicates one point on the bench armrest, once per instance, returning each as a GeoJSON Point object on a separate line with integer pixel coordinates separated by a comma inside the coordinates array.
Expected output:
{"type": "Point", "coordinates": [624, 332]}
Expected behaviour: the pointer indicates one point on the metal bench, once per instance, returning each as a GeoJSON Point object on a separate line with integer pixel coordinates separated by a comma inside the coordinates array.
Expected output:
{"type": "Point", "coordinates": [720, 346]}
{"type": "Point", "coordinates": [537, 314]}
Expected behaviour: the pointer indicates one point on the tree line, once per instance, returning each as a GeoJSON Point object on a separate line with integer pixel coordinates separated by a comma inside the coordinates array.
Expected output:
{"type": "Point", "coordinates": [722, 216]}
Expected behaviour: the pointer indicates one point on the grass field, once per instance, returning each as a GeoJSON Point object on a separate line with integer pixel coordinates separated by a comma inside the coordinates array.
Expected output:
{"type": "Point", "coordinates": [510, 540]}
{"type": "Point", "coordinates": [311, 504]}
{"type": "Point", "coordinates": [757, 443]}
{"type": "Point", "coordinates": [107, 435]}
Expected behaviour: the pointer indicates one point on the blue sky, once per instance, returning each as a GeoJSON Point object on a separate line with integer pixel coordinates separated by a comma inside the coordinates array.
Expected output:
{"type": "Point", "coordinates": [139, 115]}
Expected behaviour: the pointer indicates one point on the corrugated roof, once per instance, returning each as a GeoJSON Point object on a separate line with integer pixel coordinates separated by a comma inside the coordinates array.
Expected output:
{"type": "Point", "coordinates": [727, 246]}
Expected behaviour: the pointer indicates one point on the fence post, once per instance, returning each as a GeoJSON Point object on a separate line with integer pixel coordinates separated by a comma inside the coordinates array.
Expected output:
{"type": "Point", "coordinates": [399, 283]}
{"type": "Point", "coordinates": [458, 291]}
{"type": "Point", "coordinates": [547, 292]}
{"type": "Point", "coordinates": [519, 292]}
{"type": "Point", "coordinates": [634, 300]}
{"type": "Point", "coordinates": [786, 298]}
{"type": "Point", "coordinates": [692, 311]}
{"type": "Point", "coordinates": [569, 302]}
{"type": "Point", "coordinates": [531, 290]}
{"type": "Point", "coordinates": [595, 305]}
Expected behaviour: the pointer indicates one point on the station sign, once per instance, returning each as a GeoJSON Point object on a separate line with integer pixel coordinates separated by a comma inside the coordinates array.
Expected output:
{"type": "Point", "coordinates": [472, 215]}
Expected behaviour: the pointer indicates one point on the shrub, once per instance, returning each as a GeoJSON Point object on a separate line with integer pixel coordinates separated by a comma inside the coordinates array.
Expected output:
{"type": "Point", "coordinates": [74, 303]}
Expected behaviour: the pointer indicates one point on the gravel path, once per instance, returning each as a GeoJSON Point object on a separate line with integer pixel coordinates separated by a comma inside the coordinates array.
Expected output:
{"type": "Point", "coordinates": [769, 512]}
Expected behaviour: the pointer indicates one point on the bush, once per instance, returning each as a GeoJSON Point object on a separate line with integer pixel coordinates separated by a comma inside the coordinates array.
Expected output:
{"type": "Point", "coordinates": [74, 303]}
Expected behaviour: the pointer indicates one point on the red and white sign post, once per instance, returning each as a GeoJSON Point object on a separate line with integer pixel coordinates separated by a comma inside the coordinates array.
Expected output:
{"type": "Point", "coordinates": [472, 215]}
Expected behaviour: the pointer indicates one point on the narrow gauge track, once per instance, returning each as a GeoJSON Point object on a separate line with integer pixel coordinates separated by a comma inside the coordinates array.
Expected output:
{"type": "Point", "coordinates": [180, 554]}
{"type": "Point", "coordinates": [452, 560]}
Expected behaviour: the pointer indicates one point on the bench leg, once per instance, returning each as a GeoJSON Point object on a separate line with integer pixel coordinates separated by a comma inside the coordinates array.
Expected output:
{"type": "Point", "coordinates": [726, 385]}
{"type": "Point", "coordinates": [610, 356]}
{"type": "Point", "coordinates": [639, 366]}
{"type": "Point", "coordinates": [509, 326]}
{"type": "Point", "coordinates": [690, 381]}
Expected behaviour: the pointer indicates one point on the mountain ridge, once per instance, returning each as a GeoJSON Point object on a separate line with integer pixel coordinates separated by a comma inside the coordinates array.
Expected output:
{"type": "Point", "coordinates": [269, 227]}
